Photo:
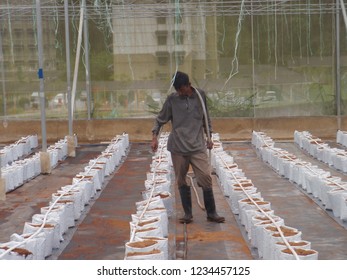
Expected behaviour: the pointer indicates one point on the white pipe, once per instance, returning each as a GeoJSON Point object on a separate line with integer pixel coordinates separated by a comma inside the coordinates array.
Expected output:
{"type": "Point", "coordinates": [205, 114]}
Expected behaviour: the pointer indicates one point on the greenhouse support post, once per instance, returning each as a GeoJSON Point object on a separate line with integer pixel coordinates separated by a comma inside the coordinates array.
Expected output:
{"type": "Point", "coordinates": [44, 155]}
{"type": "Point", "coordinates": [338, 66]}
{"type": "Point", "coordinates": [2, 76]}
{"type": "Point", "coordinates": [68, 64]}
{"type": "Point", "coordinates": [86, 56]}
{"type": "Point", "coordinates": [70, 137]}
{"type": "Point", "coordinates": [40, 75]}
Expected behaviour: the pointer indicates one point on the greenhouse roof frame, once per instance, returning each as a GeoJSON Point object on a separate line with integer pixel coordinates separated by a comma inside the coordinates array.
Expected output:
{"type": "Point", "coordinates": [155, 8]}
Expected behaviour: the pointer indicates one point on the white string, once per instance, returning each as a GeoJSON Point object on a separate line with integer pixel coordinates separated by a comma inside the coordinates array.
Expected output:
{"type": "Point", "coordinates": [135, 226]}
{"type": "Point", "coordinates": [53, 204]}
{"type": "Point", "coordinates": [235, 62]}
{"type": "Point", "coordinates": [260, 209]}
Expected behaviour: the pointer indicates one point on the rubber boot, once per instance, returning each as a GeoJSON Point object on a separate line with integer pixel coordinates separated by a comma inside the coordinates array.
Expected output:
{"type": "Point", "coordinates": [210, 207]}
{"type": "Point", "coordinates": [186, 199]}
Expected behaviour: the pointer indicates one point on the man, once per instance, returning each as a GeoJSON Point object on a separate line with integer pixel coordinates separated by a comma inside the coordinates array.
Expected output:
{"type": "Point", "coordinates": [187, 143]}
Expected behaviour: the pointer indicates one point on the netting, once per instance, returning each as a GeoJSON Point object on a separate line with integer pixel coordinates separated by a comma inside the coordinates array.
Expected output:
{"type": "Point", "coordinates": [254, 58]}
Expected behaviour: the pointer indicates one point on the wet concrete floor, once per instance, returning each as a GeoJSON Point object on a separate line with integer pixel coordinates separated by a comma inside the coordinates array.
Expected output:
{"type": "Point", "coordinates": [103, 230]}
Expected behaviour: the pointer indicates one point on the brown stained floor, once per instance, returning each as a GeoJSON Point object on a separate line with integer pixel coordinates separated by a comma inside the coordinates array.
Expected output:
{"type": "Point", "coordinates": [103, 230]}
{"type": "Point", "coordinates": [22, 203]}
{"type": "Point", "coordinates": [208, 240]}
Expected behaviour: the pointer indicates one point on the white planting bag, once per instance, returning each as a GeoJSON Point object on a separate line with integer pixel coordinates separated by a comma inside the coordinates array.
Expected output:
{"type": "Point", "coordinates": [146, 223]}
{"type": "Point", "coordinates": [152, 203]}
{"type": "Point", "coordinates": [59, 213]}
{"type": "Point", "coordinates": [279, 246]}
{"type": "Point", "coordinates": [163, 244]}
{"type": "Point", "coordinates": [140, 246]}
{"type": "Point", "coordinates": [290, 234]}
{"type": "Point", "coordinates": [68, 212]}
{"type": "Point", "coordinates": [237, 193]}
{"type": "Point", "coordinates": [161, 212]}
{"type": "Point", "coordinates": [258, 221]}
{"type": "Point", "coordinates": [154, 254]}
{"type": "Point", "coordinates": [158, 184]}
{"type": "Point", "coordinates": [36, 245]}
{"type": "Point", "coordinates": [18, 253]}
{"type": "Point", "coordinates": [303, 254]}
{"type": "Point", "coordinates": [77, 197]}
{"type": "Point", "coordinates": [47, 230]}
{"type": "Point", "coordinates": [87, 189]}
{"type": "Point", "coordinates": [51, 219]}
{"type": "Point", "coordinates": [257, 233]}
{"type": "Point", "coordinates": [335, 197]}
{"type": "Point", "coordinates": [50, 229]}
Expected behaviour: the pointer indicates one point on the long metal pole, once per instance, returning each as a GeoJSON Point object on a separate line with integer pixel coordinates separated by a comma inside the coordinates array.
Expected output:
{"type": "Point", "coordinates": [40, 75]}
{"type": "Point", "coordinates": [254, 96]}
{"type": "Point", "coordinates": [3, 84]}
{"type": "Point", "coordinates": [68, 64]}
{"type": "Point", "coordinates": [86, 57]}
{"type": "Point", "coordinates": [3, 75]}
{"type": "Point", "coordinates": [338, 66]}
{"type": "Point", "coordinates": [77, 58]}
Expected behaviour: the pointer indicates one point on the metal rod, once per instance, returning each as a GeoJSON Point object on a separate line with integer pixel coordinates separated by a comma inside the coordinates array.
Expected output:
{"type": "Point", "coordinates": [3, 75]}
{"type": "Point", "coordinates": [253, 61]}
{"type": "Point", "coordinates": [78, 51]}
{"type": "Point", "coordinates": [86, 57]}
{"type": "Point", "coordinates": [40, 75]}
{"type": "Point", "coordinates": [338, 67]}
{"type": "Point", "coordinates": [3, 84]}
{"type": "Point", "coordinates": [68, 65]}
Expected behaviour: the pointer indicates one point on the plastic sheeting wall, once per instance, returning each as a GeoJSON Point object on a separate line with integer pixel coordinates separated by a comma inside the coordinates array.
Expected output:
{"type": "Point", "coordinates": [254, 58]}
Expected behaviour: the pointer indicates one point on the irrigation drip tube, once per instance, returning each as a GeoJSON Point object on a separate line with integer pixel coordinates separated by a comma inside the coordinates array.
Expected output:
{"type": "Point", "coordinates": [260, 209]}
{"type": "Point", "coordinates": [132, 238]}
{"type": "Point", "coordinates": [238, 181]}
{"type": "Point", "coordinates": [51, 207]}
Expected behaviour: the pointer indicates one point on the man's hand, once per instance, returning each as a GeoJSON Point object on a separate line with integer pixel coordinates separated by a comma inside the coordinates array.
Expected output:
{"type": "Point", "coordinates": [154, 144]}
{"type": "Point", "coordinates": [209, 144]}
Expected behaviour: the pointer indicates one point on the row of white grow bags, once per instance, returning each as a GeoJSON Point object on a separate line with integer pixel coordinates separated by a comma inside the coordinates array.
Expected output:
{"type": "Point", "coordinates": [19, 149]}
{"type": "Point", "coordinates": [318, 149]}
{"type": "Point", "coordinates": [341, 137]}
{"type": "Point", "coordinates": [149, 225]}
{"type": "Point", "coordinates": [265, 230]}
{"type": "Point", "coordinates": [46, 230]}
{"type": "Point", "coordinates": [330, 190]}
{"type": "Point", "coordinates": [24, 170]}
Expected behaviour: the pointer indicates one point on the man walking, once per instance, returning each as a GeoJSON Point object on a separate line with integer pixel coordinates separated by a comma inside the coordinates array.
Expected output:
{"type": "Point", "coordinates": [187, 143]}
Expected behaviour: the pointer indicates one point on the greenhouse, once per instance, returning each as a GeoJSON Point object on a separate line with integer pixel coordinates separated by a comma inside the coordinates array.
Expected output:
{"type": "Point", "coordinates": [121, 118]}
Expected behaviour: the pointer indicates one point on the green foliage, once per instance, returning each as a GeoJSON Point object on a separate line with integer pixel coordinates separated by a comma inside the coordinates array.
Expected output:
{"type": "Point", "coordinates": [23, 102]}
{"type": "Point", "coordinates": [153, 108]}
{"type": "Point", "coordinates": [235, 108]}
